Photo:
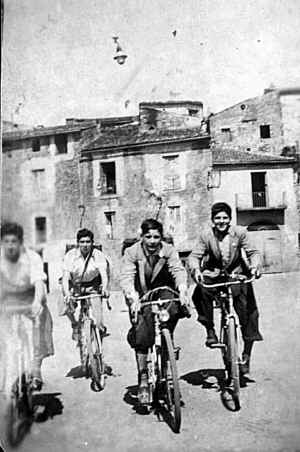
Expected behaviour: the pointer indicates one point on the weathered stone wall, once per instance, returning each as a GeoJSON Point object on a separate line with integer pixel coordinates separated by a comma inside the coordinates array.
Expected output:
{"type": "Point", "coordinates": [290, 113]}
{"type": "Point", "coordinates": [139, 184]}
{"type": "Point", "coordinates": [244, 121]}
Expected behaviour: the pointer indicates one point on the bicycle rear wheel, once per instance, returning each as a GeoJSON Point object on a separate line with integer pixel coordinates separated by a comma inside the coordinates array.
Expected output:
{"type": "Point", "coordinates": [233, 361]}
{"type": "Point", "coordinates": [170, 380]}
{"type": "Point", "coordinates": [95, 357]}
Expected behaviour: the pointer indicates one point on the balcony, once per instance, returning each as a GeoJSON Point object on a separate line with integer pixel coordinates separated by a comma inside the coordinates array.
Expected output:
{"type": "Point", "coordinates": [259, 200]}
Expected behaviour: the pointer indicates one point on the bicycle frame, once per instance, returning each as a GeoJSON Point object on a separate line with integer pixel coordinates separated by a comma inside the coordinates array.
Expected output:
{"type": "Point", "coordinates": [159, 310]}
{"type": "Point", "coordinates": [229, 343]}
{"type": "Point", "coordinates": [89, 334]}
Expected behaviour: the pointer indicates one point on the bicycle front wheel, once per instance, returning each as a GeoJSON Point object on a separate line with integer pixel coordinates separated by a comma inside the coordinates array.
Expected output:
{"type": "Point", "coordinates": [170, 380]}
{"type": "Point", "coordinates": [233, 361]}
{"type": "Point", "coordinates": [19, 413]}
{"type": "Point", "coordinates": [96, 363]}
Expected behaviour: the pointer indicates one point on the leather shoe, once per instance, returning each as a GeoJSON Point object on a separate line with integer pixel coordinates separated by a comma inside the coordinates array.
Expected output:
{"type": "Point", "coordinates": [245, 365]}
{"type": "Point", "coordinates": [211, 338]}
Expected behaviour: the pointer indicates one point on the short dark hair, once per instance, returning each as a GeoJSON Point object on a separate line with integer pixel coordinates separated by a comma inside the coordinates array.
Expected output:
{"type": "Point", "coordinates": [150, 223]}
{"type": "Point", "coordinates": [12, 229]}
{"type": "Point", "coordinates": [220, 207]}
{"type": "Point", "coordinates": [85, 233]}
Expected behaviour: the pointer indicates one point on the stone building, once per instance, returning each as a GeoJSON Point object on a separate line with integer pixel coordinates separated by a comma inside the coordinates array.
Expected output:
{"type": "Point", "coordinates": [260, 189]}
{"type": "Point", "coordinates": [156, 166]}
{"type": "Point", "coordinates": [115, 171]}
{"type": "Point", "coordinates": [267, 123]}
{"type": "Point", "coordinates": [255, 167]}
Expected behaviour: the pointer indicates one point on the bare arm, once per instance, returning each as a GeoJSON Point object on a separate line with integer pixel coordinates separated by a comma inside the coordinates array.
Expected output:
{"type": "Point", "coordinates": [65, 283]}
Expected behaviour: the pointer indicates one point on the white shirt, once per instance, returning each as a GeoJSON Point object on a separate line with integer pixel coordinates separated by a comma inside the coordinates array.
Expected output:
{"type": "Point", "coordinates": [18, 278]}
{"type": "Point", "coordinates": [74, 263]}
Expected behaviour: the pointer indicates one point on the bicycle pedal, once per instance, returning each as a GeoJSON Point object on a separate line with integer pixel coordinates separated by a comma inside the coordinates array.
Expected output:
{"type": "Point", "coordinates": [218, 345]}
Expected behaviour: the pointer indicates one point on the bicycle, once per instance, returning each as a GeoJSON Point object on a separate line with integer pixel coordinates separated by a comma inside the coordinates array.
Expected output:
{"type": "Point", "coordinates": [162, 376]}
{"type": "Point", "coordinates": [90, 341]}
{"type": "Point", "coordinates": [20, 410]}
{"type": "Point", "coordinates": [228, 334]}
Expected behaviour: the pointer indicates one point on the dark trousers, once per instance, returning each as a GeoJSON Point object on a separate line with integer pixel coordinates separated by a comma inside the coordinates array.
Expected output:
{"type": "Point", "coordinates": [244, 304]}
{"type": "Point", "coordinates": [141, 335]}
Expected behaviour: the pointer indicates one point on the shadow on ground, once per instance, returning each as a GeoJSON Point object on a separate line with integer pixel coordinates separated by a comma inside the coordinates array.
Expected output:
{"type": "Point", "coordinates": [47, 406]}
{"type": "Point", "coordinates": [216, 379]}
{"type": "Point", "coordinates": [79, 372]}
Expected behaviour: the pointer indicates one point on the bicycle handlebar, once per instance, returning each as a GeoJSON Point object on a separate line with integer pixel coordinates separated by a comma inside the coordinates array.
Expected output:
{"type": "Point", "coordinates": [92, 295]}
{"type": "Point", "coordinates": [84, 297]}
{"type": "Point", "coordinates": [159, 302]}
{"type": "Point", "coordinates": [227, 284]}
{"type": "Point", "coordinates": [150, 292]}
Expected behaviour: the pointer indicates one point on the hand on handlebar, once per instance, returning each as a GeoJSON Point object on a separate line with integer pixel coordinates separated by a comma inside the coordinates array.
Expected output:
{"type": "Point", "coordinates": [256, 272]}
{"type": "Point", "coordinates": [133, 300]}
{"type": "Point", "coordinates": [185, 302]}
{"type": "Point", "coordinates": [105, 293]}
{"type": "Point", "coordinates": [198, 277]}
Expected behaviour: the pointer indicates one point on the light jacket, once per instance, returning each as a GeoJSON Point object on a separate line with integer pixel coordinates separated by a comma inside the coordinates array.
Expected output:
{"type": "Point", "coordinates": [207, 255]}
{"type": "Point", "coordinates": [169, 269]}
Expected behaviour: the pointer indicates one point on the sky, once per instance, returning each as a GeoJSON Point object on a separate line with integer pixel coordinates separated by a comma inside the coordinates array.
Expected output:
{"type": "Point", "coordinates": [57, 55]}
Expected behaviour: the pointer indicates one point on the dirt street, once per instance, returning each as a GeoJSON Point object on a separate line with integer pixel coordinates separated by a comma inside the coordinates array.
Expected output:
{"type": "Point", "coordinates": [73, 418]}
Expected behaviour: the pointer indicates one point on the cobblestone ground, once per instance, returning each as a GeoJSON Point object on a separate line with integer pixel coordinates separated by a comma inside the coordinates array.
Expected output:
{"type": "Point", "coordinates": [73, 418]}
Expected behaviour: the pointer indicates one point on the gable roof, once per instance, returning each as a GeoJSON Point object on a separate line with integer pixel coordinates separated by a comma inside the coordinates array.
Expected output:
{"type": "Point", "coordinates": [231, 157]}
{"type": "Point", "coordinates": [131, 135]}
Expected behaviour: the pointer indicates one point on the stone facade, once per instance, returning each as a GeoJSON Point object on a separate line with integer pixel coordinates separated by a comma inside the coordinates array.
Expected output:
{"type": "Point", "coordinates": [159, 172]}
{"type": "Point", "coordinates": [40, 187]}
{"type": "Point", "coordinates": [270, 215]}
{"type": "Point", "coordinates": [118, 170]}
{"type": "Point", "coordinates": [268, 123]}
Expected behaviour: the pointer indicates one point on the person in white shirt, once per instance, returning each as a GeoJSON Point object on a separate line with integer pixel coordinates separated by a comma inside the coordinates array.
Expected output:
{"type": "Point", "coordinates": [85, 271]}
{"type": "Point", "coordinates": [22, 286]}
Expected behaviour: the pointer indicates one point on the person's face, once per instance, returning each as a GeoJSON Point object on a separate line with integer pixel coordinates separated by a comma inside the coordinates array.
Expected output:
{"type": "Point", "coordinates": [221, 222]}
{"type": "Point", "coordinates": [152, 240]}
{"type": "Point", "coordinates": [85, 245]}
{"type": "Point", "coordinates": [11, 246]}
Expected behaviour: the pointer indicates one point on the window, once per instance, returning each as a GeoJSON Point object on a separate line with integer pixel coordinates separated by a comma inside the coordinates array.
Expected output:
{"type": "Point", "coordinates": [110, 224]}
{"type": "Point", "coordinates": [174, 214]}
{"type": "Point", "coordinates": [174, 218]}
{"type": "Point", "coordinates": [258, 181]}
{"type": "Point", "coordinates": [172, 179]}
{"type": "Point", "coordinates": [265, 131]}
{"type": "Point", "coordinates": [39, 182]}
{"type": "Point", "coordinates": [36, 145]}
{"type": "Point", "coordinates": [40, 230]}
{"type": "Point", "coordinates": [226, 134]}
{"type": "Point", "coordinates": [61, 143]}
{"type": "Point", "coordinates": [108, 178]}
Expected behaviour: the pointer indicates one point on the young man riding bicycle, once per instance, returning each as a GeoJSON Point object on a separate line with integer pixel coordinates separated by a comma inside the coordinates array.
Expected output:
{"type": "Point", "coordinates": [219, 253]}
{"type": "Point", "coordinates": [148, 264]}
{"type": "Point", "coordinates": [85, 271]}
{"type": "Point", "coordinates": [22, 286]}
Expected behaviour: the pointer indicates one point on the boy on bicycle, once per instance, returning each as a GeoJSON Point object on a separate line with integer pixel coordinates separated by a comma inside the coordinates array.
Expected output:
{"type": "Point", "coordinates": [219, 251]}
{"type": "Point", "coordinates": [148, 264]}
{"type": "Point", "coordinates": [22, 285]}
{"type": "Point", "coordinates": [85, 271]}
